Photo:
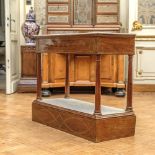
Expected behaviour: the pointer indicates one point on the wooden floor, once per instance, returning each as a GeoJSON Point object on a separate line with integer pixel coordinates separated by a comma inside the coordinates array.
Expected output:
{"type": "Point", "coordinates": [20, 136]}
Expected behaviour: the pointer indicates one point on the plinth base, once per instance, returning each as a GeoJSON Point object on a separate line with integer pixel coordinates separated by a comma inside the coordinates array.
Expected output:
{"type": "Point", "coordinates": [76, 117]}
{"type": "Point", "coordinates": [27, 85]}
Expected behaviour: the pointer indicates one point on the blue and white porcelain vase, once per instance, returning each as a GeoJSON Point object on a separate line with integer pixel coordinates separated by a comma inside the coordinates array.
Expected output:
{"type": "Point", "coordinates": [30, 27]}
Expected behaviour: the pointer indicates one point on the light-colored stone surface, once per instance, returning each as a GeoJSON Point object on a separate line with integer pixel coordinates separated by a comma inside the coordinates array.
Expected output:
{"type": "Point", "coordinates": [81, 106]}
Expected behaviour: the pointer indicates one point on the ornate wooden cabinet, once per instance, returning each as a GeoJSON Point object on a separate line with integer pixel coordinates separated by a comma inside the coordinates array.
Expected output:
{"type": "Point", "coordinates": [74, 16]}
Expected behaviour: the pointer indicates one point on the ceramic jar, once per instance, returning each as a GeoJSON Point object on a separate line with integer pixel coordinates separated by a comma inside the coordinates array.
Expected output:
{"type": "Point", "coordinates": [30, 27]}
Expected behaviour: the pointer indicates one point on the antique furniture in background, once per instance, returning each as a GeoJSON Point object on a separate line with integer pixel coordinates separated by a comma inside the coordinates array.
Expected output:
{"type": "Point", "coordinates": [28, 81]}
{"type": "Point", "coordinates": [74, 16]}
{"type": "Point", "coordinates": [84, 119]}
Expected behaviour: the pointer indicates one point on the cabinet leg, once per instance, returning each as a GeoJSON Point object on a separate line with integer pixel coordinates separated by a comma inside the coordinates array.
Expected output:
{"type": "Point", "coordinates": [120, 92]}
{"type": "Point", "coordinates": [46, 92]}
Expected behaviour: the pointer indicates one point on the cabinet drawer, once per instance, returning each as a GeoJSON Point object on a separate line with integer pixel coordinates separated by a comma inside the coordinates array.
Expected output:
{"type": "Point", "coordinates": [107, 8]}
{"type": "Point", "coordinates": [107, 1]}
{"type": "Point", "coordinates": [58, 19]}
{"type": "Point", "coordinates": [57, 1]}
{"type": "Point", "coordinates": [58, 8]}
{"type": "Point", "coordinates": [101, 19]}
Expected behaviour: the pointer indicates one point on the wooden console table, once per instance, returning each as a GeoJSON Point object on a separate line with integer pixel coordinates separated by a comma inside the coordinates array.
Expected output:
{"type": "Point", "coordinates": [91, 121]}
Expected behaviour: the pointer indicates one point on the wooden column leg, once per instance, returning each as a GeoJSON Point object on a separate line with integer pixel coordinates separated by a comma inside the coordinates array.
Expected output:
{"type": "Point", "coordinates": [129, 85]}
{"type": "Point", "coordinates": [39, 78]}
{"type": "Point", "coordinates": [97, 110]}
{"type": "Point", "coordinates": [67, 87]}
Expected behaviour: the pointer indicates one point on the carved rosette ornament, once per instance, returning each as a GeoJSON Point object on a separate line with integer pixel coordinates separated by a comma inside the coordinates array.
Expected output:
{"type": "Point", "coordinates": [30, 27]}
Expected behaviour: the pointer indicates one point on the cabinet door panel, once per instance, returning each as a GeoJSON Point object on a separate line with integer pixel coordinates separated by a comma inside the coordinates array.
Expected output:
{"type": "Point", "coordinates": [60, 67]}
{"type": "Point", "coordinates": [82, 12]}
{"type": "Point", "coordinates": [45, 68]}
{"type": "Point", "coordinates": [28, 62]}
{"type": "Point", "coordinates": [145, 60]}
{"type": "Point", "coordinates": [107, 69]}
{"type": "Point", "coordinates": [54, 68]}
{"type": "Point", "coordinates": [82, 68]}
